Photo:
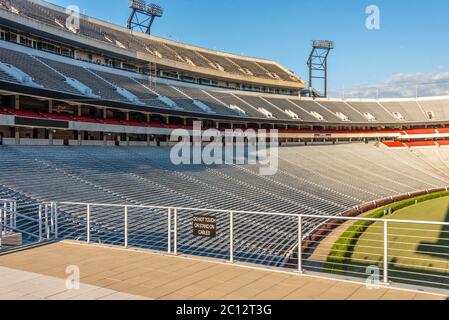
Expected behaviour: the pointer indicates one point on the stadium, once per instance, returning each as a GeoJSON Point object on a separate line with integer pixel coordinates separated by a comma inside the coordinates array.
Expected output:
{"type": "Point", "coordinates": [87, 118]}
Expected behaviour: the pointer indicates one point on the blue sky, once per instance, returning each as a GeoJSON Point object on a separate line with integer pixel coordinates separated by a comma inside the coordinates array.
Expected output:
{"type": "Point", "coordinates": [412, 38]}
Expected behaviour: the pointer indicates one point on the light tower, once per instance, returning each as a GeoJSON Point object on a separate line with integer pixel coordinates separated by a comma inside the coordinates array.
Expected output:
{"type": "Point", "coordinates": [318, 63]}
{"type": "Point", "coordinates": [142, 15]}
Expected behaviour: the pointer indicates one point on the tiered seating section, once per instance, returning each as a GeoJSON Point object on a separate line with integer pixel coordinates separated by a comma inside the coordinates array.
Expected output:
{"type": "Point", "coordinates": [53, 73]}
{"type": "Point", "coordinates": [120, 37]}
{"type": "Point", "coordinates": [322, 180]}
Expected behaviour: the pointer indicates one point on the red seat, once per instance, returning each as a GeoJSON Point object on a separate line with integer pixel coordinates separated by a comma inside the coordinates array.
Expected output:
{"type": "Point", "coordinates": [416, 144]}
{"type": "Point", "coordinates": [443, 143]}
{"type": "Point", "coordinates": [85, 119]}
{"type": "Point", "coordinates": [394, 144]}
{"type": "Point", "coordinates": [420, 131]}
{"type": "Point", "coordinates": [28, 114]}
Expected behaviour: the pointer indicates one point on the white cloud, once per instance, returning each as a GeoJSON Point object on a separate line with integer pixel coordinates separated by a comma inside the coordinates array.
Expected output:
{"type": "Point", "coordinates": [402, 85]}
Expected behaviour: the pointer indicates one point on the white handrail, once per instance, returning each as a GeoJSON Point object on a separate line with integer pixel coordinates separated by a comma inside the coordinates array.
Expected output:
{"type": "Point", "coordinates": [172, 216]}
{"type": "Point", "coordinates": [324, 217]}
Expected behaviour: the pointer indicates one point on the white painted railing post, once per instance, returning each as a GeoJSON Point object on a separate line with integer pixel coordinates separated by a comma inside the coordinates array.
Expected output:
{"type": "Point", "coordinates": [231, 237]}
{"type": "Point", "coordinates": [52, 217]}
{"type": "Point", "coordinates": [5, 215]}
{"type": "Point", "coordinates": [11, 215]}
{"type": "Point", "coordinates": [15, 214]}
{"type": "Point", "coordinates": [169, 231]}
{"type": "Point", "coordinates": [1, 225]}
{"type": "Point", "coordinates": [47, 227]}
{"type": "Point", "coordinates": [40, 222]}
{"type": "Point", "coordinates": [126, 227]}
{"type": "Point", "coordinates": [300, 270]}
{"type": "Point", "coordinates": [88, 224]}
{"type": "Point", "coordinates": [175, 234]}
{"type": "Point", "coordinates": [56, 221]}
{"type": "Point", "coordinates": [386, 278]}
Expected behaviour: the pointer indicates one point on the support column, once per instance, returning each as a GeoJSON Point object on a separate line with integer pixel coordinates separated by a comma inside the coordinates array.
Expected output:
{"type": "Point", "coordinates": [104, 114]}
{"type": "Point", "coordinates": [50, 137]}
{"type": "Point", "coordinates": [17, 135]}
{"type": "Point", "coordinates": [78, 111]}
{"type": "Point", "coordinates": [80, 138]}
{"type": "Point", "coordinates": [17, 102]}
{"type": "Point", "coordinates": [50, 106]}
{"type": "Point", "coordinates": [148, 140]}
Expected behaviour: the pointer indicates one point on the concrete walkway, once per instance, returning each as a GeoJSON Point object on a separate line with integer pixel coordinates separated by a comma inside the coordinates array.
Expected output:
{"type": "Point", "coordinates": [151, 275]}
{"type": "Point", "coordinates": [22, 285]}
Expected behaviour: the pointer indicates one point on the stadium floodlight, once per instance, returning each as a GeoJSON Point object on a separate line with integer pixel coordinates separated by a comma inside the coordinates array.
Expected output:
{"type": "Point", "coordinates": [323, 44]}
{"type": "Point", "coordinates": [143, 15]}
{"type": "Point", "coordinates": [138, 5]}
{"type": "Point", "coordinates": [155, 10]}
{"type": "Point", "coordinates": [317, 64]}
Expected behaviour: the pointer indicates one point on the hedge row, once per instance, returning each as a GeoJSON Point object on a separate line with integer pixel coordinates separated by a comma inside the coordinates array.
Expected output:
{"type": "Point", "coordinates": [341, 252]}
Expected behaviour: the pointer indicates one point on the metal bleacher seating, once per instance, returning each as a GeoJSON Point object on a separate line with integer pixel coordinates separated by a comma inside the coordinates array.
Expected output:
{"type": "Point", "coordinates": [345, 109]}
{"type": "Point", "coordinates": [410, 110]}
{"type": "Point", "coordinates": [320, 180]}
{"type": "Point", "coordinates": [438, 108]}
{"type": "Point", "coordinates": [99, 87]}
{"type": "Point", "coordinates": [113, 35]}
{"type": "Point", "coordinates": [142, 91]}
{"type": "Point", "coordinates": [39, 73]}
{"type": "Point", "coordinates": [51, 73]}
{"type": "Point", "coordinates": [203, 96]}
{"type": "Point", "coordinates": [258, 102]}
{"type": "Point", "coordinates": [375, 109]}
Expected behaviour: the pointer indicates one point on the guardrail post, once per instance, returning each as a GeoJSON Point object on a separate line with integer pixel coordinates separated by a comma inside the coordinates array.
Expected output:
{"type": "Point", "coordinates": [52, 217]}
{"type": "Point", "coordinates": [15, 214]}
{"type": "Point", "coordinates": [56, 220]}
{"type": "Point", "coordinates": [40, 223]}
{"type": "Point", "coordinates": [47, 227]}
{"type": "Point", "coordinates": [1, 226]}
{"type": "Point", "coordinates": [175, 234]}
{"type": "Point", "coordinates": [11, 215]}
{"type": "Point", "coordinates": [169, 231]}
{"type": "Point", "coordinates": [126, 227]}
{"type": "Point", "coordinates": [300, 270]}
{"type": "Point", "coordinates": [5, 215]}
{"type": "Point", "coordinates": [386, 280]}
{"type": "Point", "coordinates": [88, 224]}
{"type": "Point", "coordinates": [231, 237]}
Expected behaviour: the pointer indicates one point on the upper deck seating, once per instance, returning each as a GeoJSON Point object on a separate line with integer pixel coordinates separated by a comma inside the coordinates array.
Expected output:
{"type": "Point", "coordinates": [410, 110]}
{"type": "Point", "coordinates": [39, 73]}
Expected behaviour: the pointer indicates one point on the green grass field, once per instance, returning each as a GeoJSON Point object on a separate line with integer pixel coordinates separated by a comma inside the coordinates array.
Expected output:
{"type": "Point", "coordinates": [416, 252]}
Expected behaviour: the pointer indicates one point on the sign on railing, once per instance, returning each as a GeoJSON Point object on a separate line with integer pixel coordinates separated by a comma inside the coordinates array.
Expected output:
{"type": "Point", "coordinates": [204, 226]}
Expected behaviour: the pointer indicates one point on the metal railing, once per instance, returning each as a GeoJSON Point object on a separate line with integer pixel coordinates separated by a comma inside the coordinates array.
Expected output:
{"type": "Point", "coordinates": [47, 221]}
{"type": "Point", "coordinates": [8, 217]}
{"type": "Point", "coordinates": [404, 251]}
